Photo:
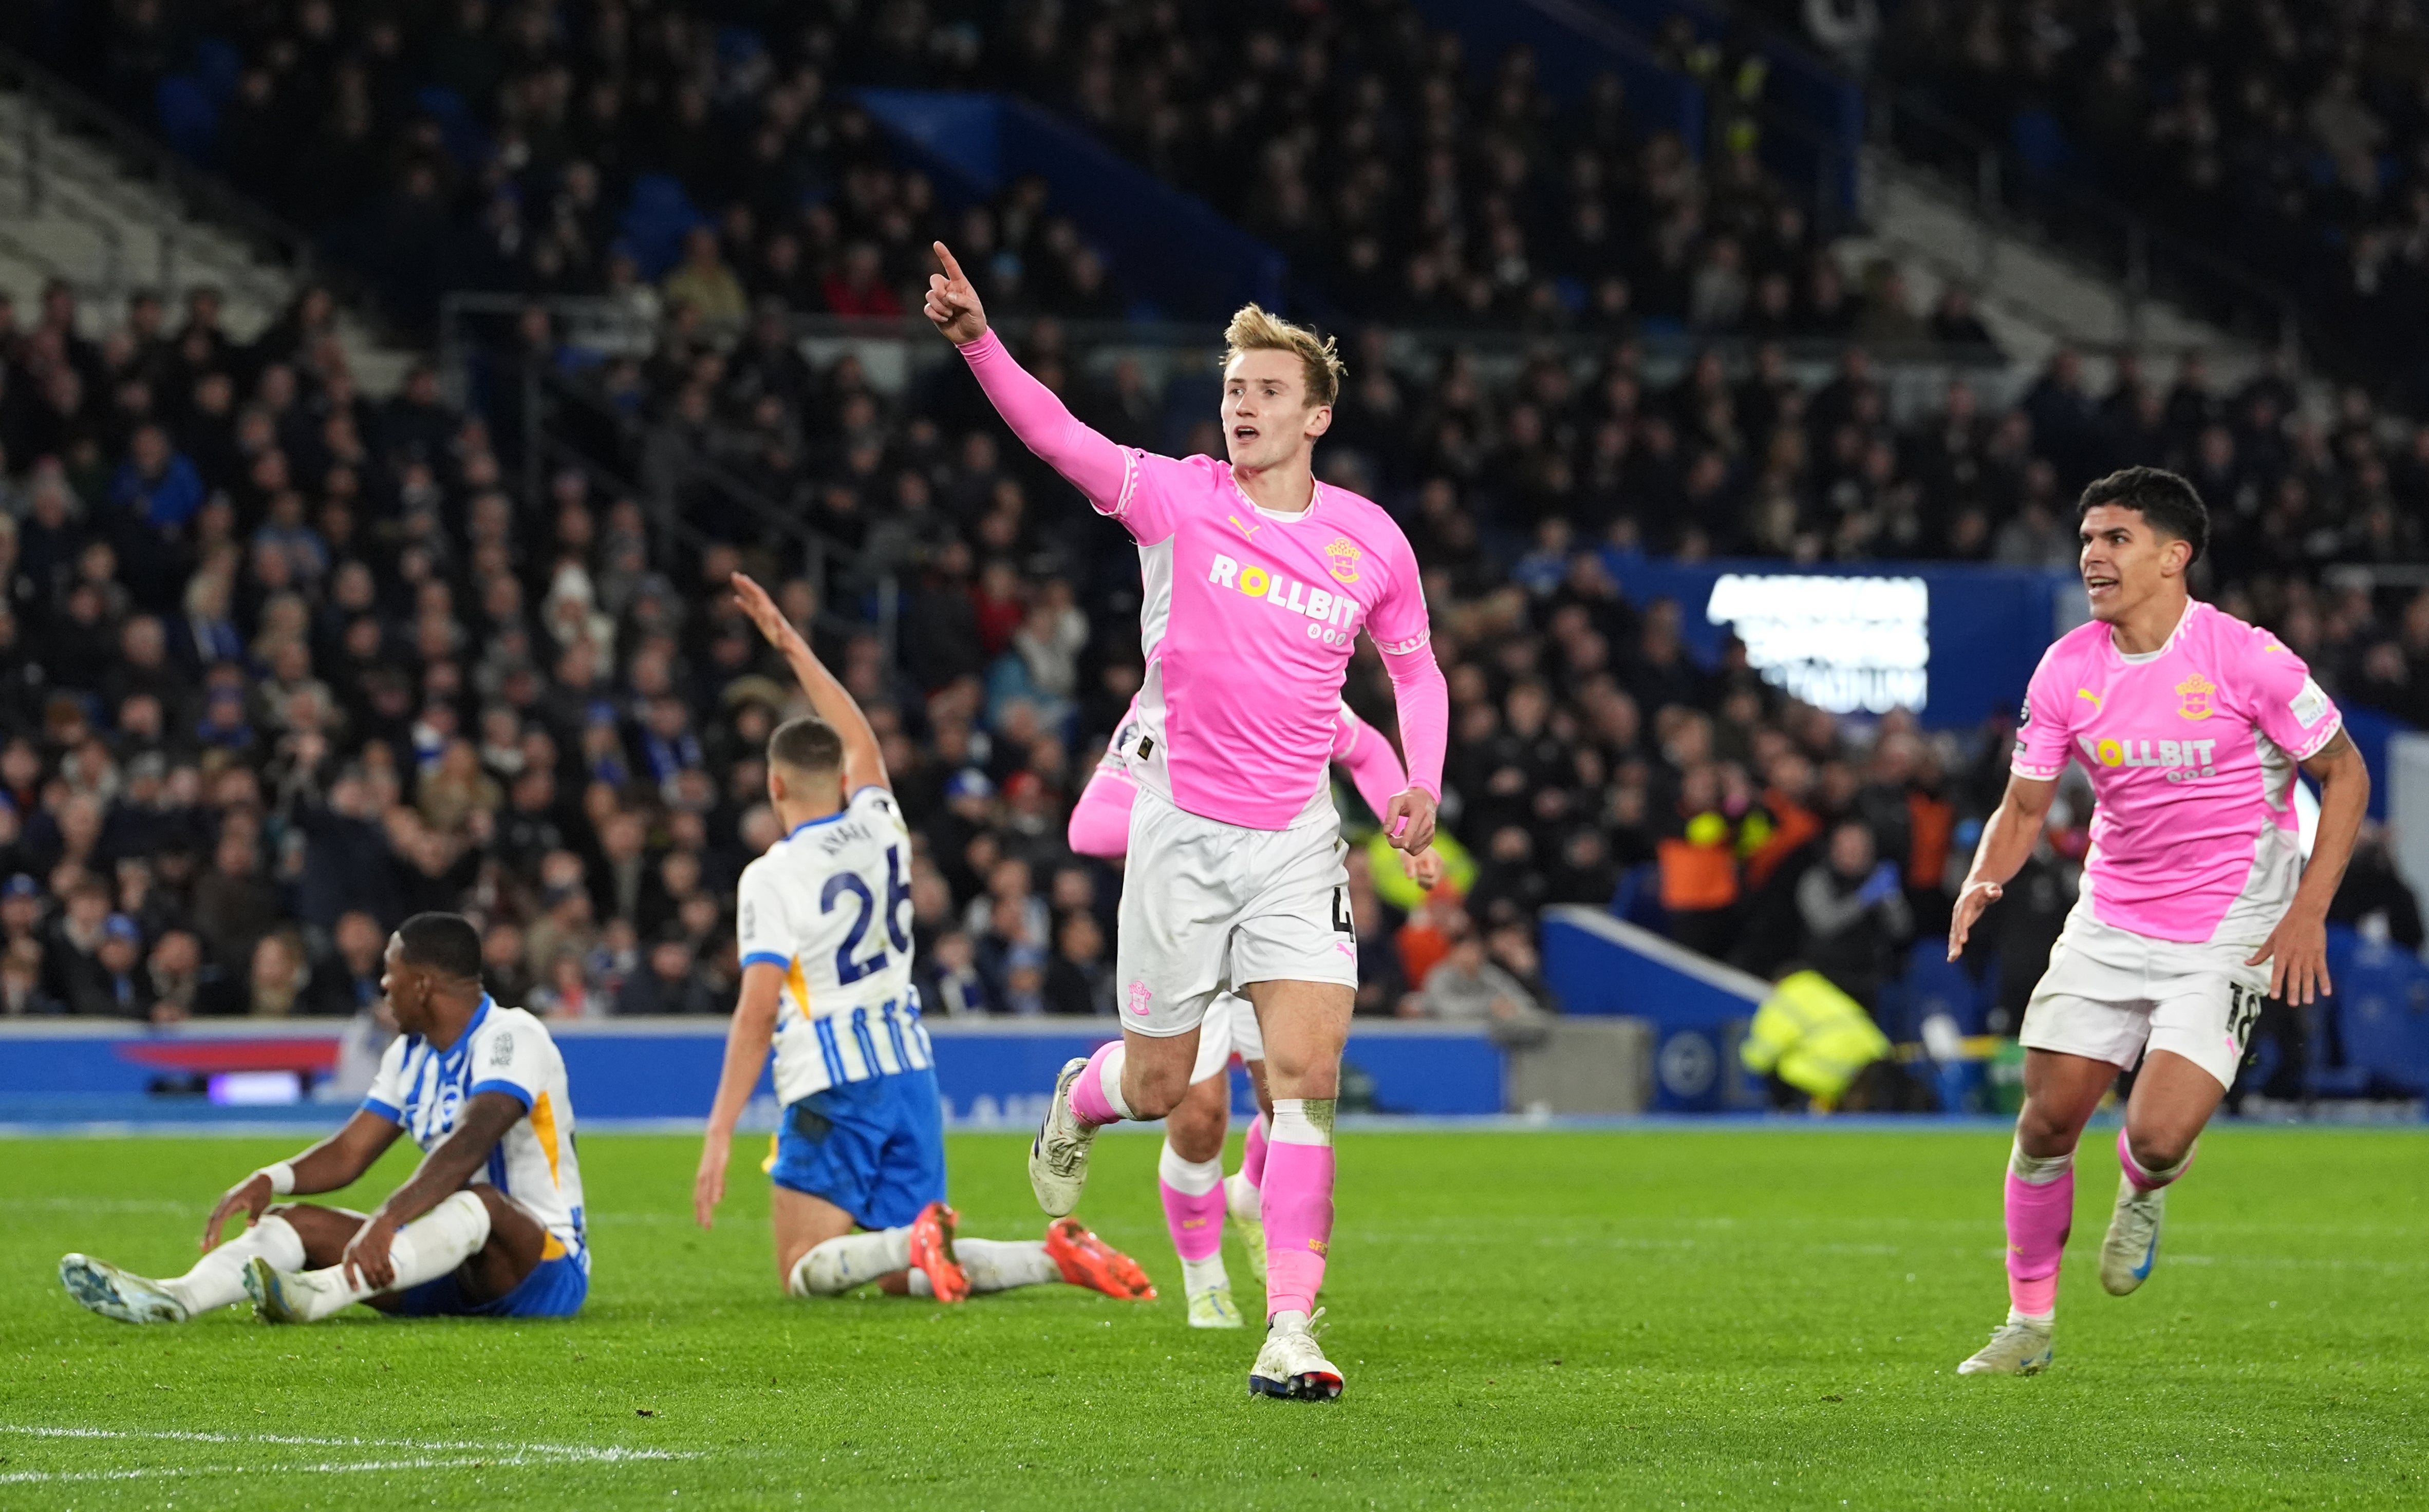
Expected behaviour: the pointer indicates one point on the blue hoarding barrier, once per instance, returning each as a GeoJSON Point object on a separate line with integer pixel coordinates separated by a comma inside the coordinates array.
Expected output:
{"type": "Point", "coordinates": [1699, 1007]}
{"type": "Point", "coordinates": [636, 1072]}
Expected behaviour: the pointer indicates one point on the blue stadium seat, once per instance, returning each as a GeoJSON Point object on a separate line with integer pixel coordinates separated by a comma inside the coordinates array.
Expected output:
{"type": "Point", "coordinates": [219, 63]}
{"type": "Point", "coordinates": [190, 118]}
{"type": "Point", "coordinates": [655, 220]}
{"type": "Point", "coordinates": [2382, 1007]}
{"type": "Point", "coordinates": [2040, 141]}
{"type": "Point", "coordinates": [460, 130]}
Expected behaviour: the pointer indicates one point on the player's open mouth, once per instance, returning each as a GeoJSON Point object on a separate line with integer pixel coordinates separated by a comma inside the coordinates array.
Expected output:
{"type": "Point", "coordinates": [1243, 433]}
{"type": "Point", "coordinates": [2099, 584]}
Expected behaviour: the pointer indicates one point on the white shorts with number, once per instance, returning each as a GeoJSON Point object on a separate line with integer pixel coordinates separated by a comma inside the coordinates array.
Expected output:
{"type": "Point", "coordinates": [2109, 993]}
{"type": "Point", "coordinates": [1229, 1028]}
{"type": "Point", "coordinates": [1208, 905]}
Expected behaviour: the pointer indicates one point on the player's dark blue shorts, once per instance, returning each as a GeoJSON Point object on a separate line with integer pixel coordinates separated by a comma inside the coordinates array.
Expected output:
{"type": "Point", "coordinates": [874, 1148]}
{"type": "Point", "coordinates": [555, 1289]}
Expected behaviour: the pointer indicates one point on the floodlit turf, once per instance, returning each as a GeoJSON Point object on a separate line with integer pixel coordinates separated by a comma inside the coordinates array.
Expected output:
{"type": "Point", "coordinates": [1655, 1318]}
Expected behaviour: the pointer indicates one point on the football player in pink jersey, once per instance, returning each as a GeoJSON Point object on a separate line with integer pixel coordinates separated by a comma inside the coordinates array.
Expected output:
{"type": "Point", "coordinates": [2197, 902]}
{"type": "Point", "coordinates": [1189, 1174]}
{"type": "Point", "coordinates": [1258, 579]}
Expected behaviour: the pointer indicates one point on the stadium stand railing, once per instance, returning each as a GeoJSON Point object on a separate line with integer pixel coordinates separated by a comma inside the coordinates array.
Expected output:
{"type": "Point", "coordinates": [562, 423]}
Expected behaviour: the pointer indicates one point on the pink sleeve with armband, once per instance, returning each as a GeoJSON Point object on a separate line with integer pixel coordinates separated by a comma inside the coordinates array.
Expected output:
{"type": "Point", "coordinates": [1374, 768]}
{"type": "Point", "coordinates": [1106, 473]}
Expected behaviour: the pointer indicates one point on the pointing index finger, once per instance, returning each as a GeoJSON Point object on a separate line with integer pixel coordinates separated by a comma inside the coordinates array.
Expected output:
{"type": "Point", "coordinates": [952, 269]}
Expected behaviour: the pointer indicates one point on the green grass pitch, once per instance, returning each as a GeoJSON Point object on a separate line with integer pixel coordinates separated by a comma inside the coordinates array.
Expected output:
{"type": "Point", "coordinates": [1657, 1318]}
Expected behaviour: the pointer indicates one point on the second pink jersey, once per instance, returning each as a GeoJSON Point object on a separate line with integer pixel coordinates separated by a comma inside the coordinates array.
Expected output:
{"type": "Point", "coordinates": [1248, 624]}
{"type": "Point", "coordinates": [2191, 751]}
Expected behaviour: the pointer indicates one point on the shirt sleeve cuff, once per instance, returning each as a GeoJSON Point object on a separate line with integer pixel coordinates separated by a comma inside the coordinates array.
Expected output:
{"type": "Point", "coordinates": [2038, 774]}
{"type": "Point", "coordinates": [768, 958]}
{"type": "Point", "coordinates": [373, 1106]}
{"type": "Point", "coordinates": [2319, 742]}
{"type": "Point", "coordinates": [513, 1090]}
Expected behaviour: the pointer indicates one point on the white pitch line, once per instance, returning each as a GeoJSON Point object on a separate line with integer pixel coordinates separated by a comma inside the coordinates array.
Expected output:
{"type": "Point", "coordinates": [555, 1454]}
{"type": "Point", "coordinates": [334, 1468]}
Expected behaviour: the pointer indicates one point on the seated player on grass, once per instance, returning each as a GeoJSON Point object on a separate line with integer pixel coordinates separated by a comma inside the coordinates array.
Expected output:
{"type": "Point", "coordinates": [490, 1224]}
{"type": "Point", "coordinates": [825, 933]}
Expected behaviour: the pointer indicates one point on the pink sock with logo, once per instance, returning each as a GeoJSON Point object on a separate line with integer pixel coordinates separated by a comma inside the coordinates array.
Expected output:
{"type": "Point", "coordinates": [2041, 1210]}
{"type": "Point", "coordinates": [1095, 1094]}
{"type": "Point", "coordinates": [1296, 1203]}
{"type": "Point", "coordinates": [1192, 1203]}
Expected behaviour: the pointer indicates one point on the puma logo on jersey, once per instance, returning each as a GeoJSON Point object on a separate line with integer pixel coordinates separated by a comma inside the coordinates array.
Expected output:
{"type": "Point", "coordinates": [1331, 617]}
{"type": "Point", "coordinates": [2179, 759]}
{"type": "Point", "coordinates": [1248, 530]}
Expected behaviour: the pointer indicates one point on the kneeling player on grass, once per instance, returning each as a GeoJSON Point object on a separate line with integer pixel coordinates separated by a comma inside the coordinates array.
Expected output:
{"type": "Point", "coordinates": [825, 932]}
{"type": "Point", "coordinates": [1197, 1195]}
{"type": "Point", "coordinates": [490, 1224]}
{"type": "Point", "coordinates": [2196, 901]}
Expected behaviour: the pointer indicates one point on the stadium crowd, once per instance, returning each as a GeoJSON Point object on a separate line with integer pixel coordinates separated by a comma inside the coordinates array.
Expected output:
{"type": "Point", "coordinates": [2296, 135]}
{"type": "Point", "coordinates": [280, 665]}
{"type": "Point", "coordinates": [514, 147]}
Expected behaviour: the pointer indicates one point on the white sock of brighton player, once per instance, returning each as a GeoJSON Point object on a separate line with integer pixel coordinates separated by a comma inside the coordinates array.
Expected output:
{"type": "Point", "coordinates": [217, 1279]}
{"type": "Point", "coordinates": [423, 1249]}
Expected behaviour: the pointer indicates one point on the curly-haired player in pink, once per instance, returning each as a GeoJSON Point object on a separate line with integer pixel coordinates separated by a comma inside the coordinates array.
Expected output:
{"type": "Point", "coordinates": [1258, 581]}
{"type": "Point", "coordinates": [2196, 904]}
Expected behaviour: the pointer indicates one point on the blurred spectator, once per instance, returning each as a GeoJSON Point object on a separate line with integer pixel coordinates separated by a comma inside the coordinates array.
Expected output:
{"type": "Point", "coordinates": [670, 981]}
{"type": "Point", "coordinates": [1465, 986]}
{"type": "Point", "coordinates": [1853, 912]}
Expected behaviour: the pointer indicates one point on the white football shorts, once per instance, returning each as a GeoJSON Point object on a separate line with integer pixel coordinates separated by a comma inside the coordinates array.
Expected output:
{"type": "Point", "coordinates": [2109, 993]}
{"type": "Point", "coordinates": [1229, 1028]}
{"type": "Point", "coordinates": [1208, 905]}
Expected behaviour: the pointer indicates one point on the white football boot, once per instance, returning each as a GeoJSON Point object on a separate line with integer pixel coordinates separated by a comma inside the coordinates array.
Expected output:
{"type": "Point", "coordinates": [1291, 1365]}
{"type": "Point", "coordinates": [1212, 1307]}
{"type": "Point", "coordinates": [2132, 1246]}
{"type": "Point", "coordinates": [1245, 1203]}
{"type": "Point", "coordinates": [1058, 1158]}
{"type": "Point", "coordinates": [293, 1296]}
{"type": "Point", "coordinates": [103, 1288]}
{"type": "Point", "coordinates": [2014, 1349]}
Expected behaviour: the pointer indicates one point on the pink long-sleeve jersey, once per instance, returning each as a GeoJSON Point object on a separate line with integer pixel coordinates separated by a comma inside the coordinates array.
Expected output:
{"type": "Point", "coordinates": [2191, 751]}
{"type": "Point", "coordinates": [1248, 619]}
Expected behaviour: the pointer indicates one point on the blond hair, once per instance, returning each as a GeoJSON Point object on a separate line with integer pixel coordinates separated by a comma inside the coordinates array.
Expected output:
{"type": "Point", "coordinates": [1258, 329]}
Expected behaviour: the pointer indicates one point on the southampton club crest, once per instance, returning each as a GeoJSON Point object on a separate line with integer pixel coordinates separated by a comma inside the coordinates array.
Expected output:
{"type": "Point", "coordinates": [2193, 695]}
{"type": "Point", "coordinates": [1341, 559]}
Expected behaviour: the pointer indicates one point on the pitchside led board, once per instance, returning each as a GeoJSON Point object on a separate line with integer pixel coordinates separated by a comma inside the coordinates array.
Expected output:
{"type": "Point", "coordinates": [1954, 643]}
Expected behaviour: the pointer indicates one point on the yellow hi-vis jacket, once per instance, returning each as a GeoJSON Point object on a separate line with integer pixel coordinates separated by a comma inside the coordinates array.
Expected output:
{"type": "Point", "coordinates": [1815, 1036]}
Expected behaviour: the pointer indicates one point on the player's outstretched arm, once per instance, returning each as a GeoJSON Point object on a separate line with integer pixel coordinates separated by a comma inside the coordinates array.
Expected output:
{"type": "Point", "coordinates": [864, 765]}
{"type": "Point", "coordinates": [746, 1051]}
{"type": "Point", "coordinates": [329, 1166]}
{"type": "Point", "coordinates": [1086, 459]}
{"type": "Point", "coordinates": [2007, 840]}
{"type": "Point", "coordinates": [1424, 705]}
{"type": "Point", "coordinates": [483, 1122]}
{"type": "Point", "coordinates": [2297, 949]}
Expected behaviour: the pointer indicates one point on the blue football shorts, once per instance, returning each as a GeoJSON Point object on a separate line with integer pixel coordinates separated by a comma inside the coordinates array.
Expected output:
{"type": "Point", "coordinates": [874, 1148]}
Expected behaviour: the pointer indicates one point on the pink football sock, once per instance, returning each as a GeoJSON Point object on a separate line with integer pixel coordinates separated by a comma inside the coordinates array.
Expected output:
{"type": "Point", "coordinates": [2039, 1216]}
{"type": "Point", "coordinates": [1089, 1098]}
{"type": "Point", "coordinates": [1195, 1220]}
{"type": "Point", "coordinates": [1252, 1156]}
{"type": "Point", "coordinates": [2145, 1179]}
{"type": "Point", "coordinates": [1297, 1209]}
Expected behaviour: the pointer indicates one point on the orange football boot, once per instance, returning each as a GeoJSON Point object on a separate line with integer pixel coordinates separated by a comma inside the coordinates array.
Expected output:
{"type": "Point", "coordinates": [1089, 1261]}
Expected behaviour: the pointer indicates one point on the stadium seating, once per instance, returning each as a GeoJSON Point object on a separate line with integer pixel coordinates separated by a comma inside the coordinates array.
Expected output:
{"type": "Point", "coordinates": [465, 599]}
